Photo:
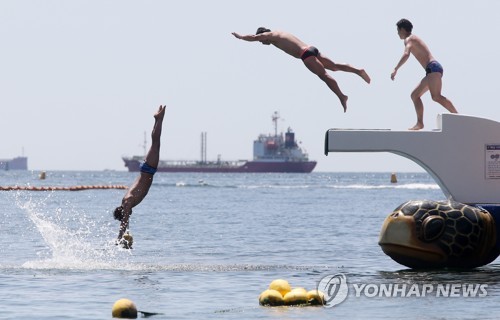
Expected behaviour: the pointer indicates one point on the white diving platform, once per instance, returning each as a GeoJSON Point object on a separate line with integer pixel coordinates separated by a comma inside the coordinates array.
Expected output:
{"type": "Point", "coordinates": [462, 154]}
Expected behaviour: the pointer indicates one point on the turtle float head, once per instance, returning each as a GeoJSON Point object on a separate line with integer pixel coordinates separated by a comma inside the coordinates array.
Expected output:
{"type": "Point", "coordinates": [435, 234]}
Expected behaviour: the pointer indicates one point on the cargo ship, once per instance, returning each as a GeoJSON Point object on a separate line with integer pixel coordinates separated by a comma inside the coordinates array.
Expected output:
{"type": "Point", "coordinates": [17, 163]}
{"type": "Point", "coordinates": [271, 153]}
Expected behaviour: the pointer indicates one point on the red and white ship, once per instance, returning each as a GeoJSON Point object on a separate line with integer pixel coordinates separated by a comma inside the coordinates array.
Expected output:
{"type": "Point", "coordinates": [271, 153]}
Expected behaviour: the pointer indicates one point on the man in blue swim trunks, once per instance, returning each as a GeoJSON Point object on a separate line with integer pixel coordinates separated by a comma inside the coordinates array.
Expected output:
{"type": "Point", "coordinates": [312, 58]}
{"type": "Point", "coordinates": [139, 189]}
{"type": "Point", "coordinates": [433, 72]}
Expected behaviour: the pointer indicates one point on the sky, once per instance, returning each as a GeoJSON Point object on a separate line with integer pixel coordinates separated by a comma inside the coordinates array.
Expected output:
{"type": "Point", "coordinates": [81, 79]}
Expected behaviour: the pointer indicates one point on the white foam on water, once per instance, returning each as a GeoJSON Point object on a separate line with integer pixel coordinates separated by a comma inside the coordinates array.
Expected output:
{"type": "Point", "coordinates": [270, 186]}
{"type": "Point", "coordinates": [73, 240]}
{"type": "Point", "coordinates": [409, 186]}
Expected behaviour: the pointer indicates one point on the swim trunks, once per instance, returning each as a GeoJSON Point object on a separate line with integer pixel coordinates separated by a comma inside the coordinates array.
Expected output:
{"type": "Point", "coordinates": [146, 168]}
{"type": "Point", "coordinates": [434, 66]}
{"type": "Point", "coordinates": [309, 52]}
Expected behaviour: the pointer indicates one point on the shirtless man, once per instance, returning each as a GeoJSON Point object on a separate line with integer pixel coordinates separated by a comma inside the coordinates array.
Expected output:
{"type": "Point", "coordinates": [313, 59]}
{"type": "Point", "coordinates": [433, 70]}
{"type": "Point", "coordinates": [139, 189]}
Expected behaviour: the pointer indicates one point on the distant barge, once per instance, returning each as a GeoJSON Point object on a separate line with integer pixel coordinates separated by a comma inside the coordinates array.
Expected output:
{"type": "Point", "coordinates": [18, 163]}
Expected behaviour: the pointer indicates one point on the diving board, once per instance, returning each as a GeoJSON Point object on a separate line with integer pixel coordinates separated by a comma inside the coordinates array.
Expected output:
{"type": "Point", "coordinates": [462, 154]}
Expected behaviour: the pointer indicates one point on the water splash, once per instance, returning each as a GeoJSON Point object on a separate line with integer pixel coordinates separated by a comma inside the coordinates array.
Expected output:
{"type": "Point", "coordinates": [72, 240]}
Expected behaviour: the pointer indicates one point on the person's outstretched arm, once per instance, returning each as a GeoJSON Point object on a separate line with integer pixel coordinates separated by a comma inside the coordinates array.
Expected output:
{"type": "Point", "coordinates": [124, 223]}
{"type": "Point", "coordinates": [252, 37]}
{"type": "Point", "coordinates": [404, 58]}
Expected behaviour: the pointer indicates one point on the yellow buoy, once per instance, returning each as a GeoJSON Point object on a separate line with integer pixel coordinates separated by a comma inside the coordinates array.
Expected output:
{"type": "Point", "coordinates": [296, 297]}
{"type": "Point", "coordinates": [125, 309]}
{"type": "Point", "coordinates": [315, 297]}
{"type": "Point", "coordinates": [280, 285]}
{"type": "Point", "coordinates": [270, 298]}
{"type": "Point", "coordinates": [300, 289]}
{"type": "Point", "coordinates": [394, 179]}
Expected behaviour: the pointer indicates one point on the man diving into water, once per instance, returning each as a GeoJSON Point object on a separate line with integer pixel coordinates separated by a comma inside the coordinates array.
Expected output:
{"type": "Point", "coordinates": [139, 189]}
{"type": "Point", "coordinates": [316, 62]}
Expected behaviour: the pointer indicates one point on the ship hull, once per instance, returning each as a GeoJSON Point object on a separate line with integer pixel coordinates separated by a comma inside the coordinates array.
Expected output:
{"type": "Point", "coordinates": [271, 153]}
{"type": "Point", "coordinates": [18, 163]}
{"type": "Point", "coordinates": [248, 167]}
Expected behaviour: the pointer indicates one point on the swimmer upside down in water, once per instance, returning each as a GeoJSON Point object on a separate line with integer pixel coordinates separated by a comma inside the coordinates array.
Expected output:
{"type": "Point", "coordinates": [139, 189]}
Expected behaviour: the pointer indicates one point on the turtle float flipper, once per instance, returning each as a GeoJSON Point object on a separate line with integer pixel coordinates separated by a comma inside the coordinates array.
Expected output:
{"type": "Point", "coordinates": [435, 234]}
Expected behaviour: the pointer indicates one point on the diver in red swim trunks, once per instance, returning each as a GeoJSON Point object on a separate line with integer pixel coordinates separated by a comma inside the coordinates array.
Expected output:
{"type": "Point", "coordinates": [313, 59]}
{"type": "Point", "coordinates": [433, 72]}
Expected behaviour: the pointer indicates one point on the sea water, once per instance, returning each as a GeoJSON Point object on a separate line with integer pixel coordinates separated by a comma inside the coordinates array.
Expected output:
{"type": "Point", "coordinates": [206, 245]}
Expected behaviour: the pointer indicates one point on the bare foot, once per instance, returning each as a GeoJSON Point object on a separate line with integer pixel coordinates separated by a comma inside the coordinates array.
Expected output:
{"type": "Point", "coordinates": [364, 75]}
{"type": "Point", "coordinates": [418, 126]}
{"type": "Point", "coordinates": [343, 101]}
{"type": "Point", "coordinates": [160, 113]}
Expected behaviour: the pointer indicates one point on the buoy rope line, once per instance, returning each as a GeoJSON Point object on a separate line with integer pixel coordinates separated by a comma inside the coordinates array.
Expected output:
{"type": "Point", "coordinates": [59, 188]}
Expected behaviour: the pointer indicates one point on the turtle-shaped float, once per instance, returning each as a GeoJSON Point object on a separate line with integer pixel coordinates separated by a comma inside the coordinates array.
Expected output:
{"type": "Point", "coordinates": [435, 234]}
